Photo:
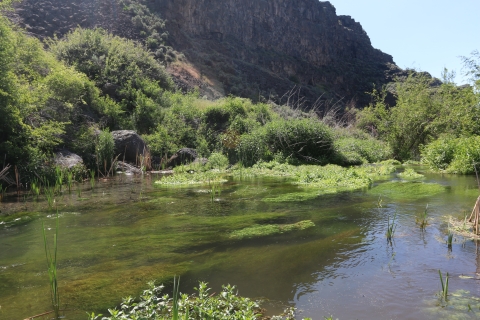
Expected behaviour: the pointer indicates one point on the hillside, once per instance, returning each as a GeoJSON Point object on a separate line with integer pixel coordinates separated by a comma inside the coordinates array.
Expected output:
{"type": "Point", "coordinates": [254, 49]}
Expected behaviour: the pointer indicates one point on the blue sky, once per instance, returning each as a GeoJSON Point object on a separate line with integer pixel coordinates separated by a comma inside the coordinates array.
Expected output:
{"type": "Point", "coordinates": [425, 35]}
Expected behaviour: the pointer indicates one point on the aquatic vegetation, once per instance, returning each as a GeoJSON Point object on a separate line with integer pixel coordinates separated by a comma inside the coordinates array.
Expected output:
{"type": "Point", "coordinates": [410, 174]}
{"type": "Point", "coordinates": [410, 190]}
{"type": "Point", "coordinates": [461, 305]}
{"type": "Point", "coordinates": [18, 218]}
{"type": "Point", "coordinates": [270, 229]}
{"type": "Point", "coordinates": [444, 284]}
{"type": "Point", "coordinates": [296, 196]}
{"type": "Point", "coordinates": [191, 178]}
{"type": "Point", "coordinates": [391, 227]}
{"type": "Point", "coordinates": [69, 181]}
{"type": "Point", "coordinates": [35, 188]}
{"type": "Point", "coordinates": [49, 193]}
{"type": "Point", "coordinates": [422, 218]}
{"type": "Point", "coordinates": [52, 269]}
{"type": "Point", "coordinates": [449, 237]}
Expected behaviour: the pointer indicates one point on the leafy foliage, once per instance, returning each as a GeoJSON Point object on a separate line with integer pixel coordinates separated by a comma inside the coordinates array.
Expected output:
{"type": "Point", "coordinates": [124, 71]}
{"type": "Point", "coordinates": [422, 114]}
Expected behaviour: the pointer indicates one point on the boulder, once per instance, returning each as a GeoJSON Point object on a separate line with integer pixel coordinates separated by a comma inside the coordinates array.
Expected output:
{"type": "Point", "coordinates": [128, 145]}
{"type": "Point", "coordinates": [67, 159]}
{"type": "Point", "coordinates": [182, 156]}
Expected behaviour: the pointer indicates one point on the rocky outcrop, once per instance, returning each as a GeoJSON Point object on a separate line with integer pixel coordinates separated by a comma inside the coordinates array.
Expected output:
{"type": "Point", "coordinates": [128, 145]}
{"type": "Point", "coordinates": [67, 159]}
{"type": "Point", "coordinates": [253, 48]}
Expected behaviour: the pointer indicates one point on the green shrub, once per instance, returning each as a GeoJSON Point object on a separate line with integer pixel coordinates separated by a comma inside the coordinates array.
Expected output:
{"type": "Point", "coordinates": [297, 141]}
{"type": "Point", "coordinates": [458, 155]}
{"type": "Point", "coordinates": [353, 151]}
{"type": "Point", "coordinates": [123, 70]}
{"type": "Point", "coordinates": [217, 161]}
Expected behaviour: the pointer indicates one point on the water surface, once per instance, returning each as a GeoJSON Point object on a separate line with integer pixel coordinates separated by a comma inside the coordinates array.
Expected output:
{"type": "Point", "coordinates": [126, 232]}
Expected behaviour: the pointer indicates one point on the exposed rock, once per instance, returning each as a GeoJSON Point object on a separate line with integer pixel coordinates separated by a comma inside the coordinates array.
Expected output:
{"type": "Point", "coordinates": [182, 156]}
{"type": "Point", "coordinates": [129, 145]}
{"type": "Point", "coordinates": [250, 48]}
{"type": "Point", "coordinates": [67, 159]}
{"type": "Point", "coordinates": [127, 168]}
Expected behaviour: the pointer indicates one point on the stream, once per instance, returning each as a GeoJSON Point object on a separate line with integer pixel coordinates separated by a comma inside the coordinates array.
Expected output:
{"type": "Point", "coordinates": [127, 231]}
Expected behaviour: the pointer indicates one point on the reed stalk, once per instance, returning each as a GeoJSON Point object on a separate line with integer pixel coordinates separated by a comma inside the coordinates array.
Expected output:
{"type": "Point", "coordinates": [422, 219]}
{"type": "Point", "coordinates": [391, 227]}
{"type": "Point", "coordinates": [444, 292]}
{"type": "Point", "coordinates": [52, 269]}
{"type": "Point", "coordinates": [92, 179]}
{"type": "Point", "coordinates": [69, 181]}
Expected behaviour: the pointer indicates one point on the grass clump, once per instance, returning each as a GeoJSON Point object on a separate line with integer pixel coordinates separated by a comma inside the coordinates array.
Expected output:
{"type": "Point", "coordinates": [410, 174]}
{"type": "Point", "coordinates": [270, 229]}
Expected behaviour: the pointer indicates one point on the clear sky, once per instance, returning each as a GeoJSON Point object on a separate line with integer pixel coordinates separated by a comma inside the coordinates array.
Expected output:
{"type": "Point", "coordinates": [426, 35]}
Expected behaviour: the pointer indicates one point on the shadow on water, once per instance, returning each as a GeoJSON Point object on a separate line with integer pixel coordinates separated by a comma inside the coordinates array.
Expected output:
{"type": "Point", "coordinates": [126, 232]}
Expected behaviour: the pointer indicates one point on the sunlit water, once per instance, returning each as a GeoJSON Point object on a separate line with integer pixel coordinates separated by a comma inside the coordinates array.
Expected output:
{"type": "Point", "coordinates": [126, 232]}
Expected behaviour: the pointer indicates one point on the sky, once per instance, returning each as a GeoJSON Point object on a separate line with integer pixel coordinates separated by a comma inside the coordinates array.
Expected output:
{"type": "Point", "coordinates": [425, 35]}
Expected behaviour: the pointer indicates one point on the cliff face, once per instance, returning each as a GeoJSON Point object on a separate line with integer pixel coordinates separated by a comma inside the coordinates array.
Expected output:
{"type": "Point", "coordinates": [250, 48]}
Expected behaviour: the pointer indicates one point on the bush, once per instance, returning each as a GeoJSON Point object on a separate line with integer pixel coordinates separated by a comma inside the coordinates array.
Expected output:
{"type": "Point", "coordinates": [354, 151]}
{"type": "Point", "coordinates": [217, 161]}
{"type": "Point", "coordinates": [453, 155]}
{"type": "Point", "coordinates": [297, 141]}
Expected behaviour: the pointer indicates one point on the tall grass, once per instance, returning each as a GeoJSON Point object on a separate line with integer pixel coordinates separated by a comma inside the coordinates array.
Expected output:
{"type": "Point", "coordinates": [52, 269]}
{"type": "Point", "coordinates": [69, 181]}
{"type": "Point", "coordinates": [49, 193]}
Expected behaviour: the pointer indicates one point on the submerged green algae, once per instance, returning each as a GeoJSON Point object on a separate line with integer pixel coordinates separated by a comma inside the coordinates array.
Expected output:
{"type": "Point", "coordinates": [407, 190]}
{"type": "Point", "coordinates": [270, 229]}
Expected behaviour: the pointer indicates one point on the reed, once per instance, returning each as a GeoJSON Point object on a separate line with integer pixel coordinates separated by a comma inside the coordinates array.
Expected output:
{"type": "Point", "coordinates": [35, 188]}
{"type": "Point", "coordinates": [92, 179]}
{"type": "Point", "coordinates": [49, 193]}
{"type": "Point", "coordinates": [58, 178]}
{"type": "Point", "coordinates": [69, 181]}
{"type": "Point", "coordinates": [444, 292]}
{"type": "Point", "coordinates": [422, 218]}
{"type": "Point", "coordinates": [52, 269]}
{"type": "Point", "coordinates": [176, 284]}
{"type": "Point", "coordinates": [449, 237]}
{"type": "Point", "coordinates": [391, 227]}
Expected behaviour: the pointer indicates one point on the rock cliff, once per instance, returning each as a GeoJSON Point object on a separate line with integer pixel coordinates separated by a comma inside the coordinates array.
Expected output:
{"type": "Point", "coordinates": [254, 48]}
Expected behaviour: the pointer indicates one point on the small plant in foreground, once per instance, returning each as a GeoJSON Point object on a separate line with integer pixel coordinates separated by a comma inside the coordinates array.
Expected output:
{"type": "Point", "coordinates": [422, 218]}
{"type": "Point", "coordinates": [444, 292]}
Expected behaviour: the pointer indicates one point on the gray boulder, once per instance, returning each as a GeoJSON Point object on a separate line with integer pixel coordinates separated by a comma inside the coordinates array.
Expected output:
{"type": "Point", "coordinates": [182, 156]}
{"type": "Point", "coordinates": [129, 145]}
{"type": "Point", "coordinates": [67, 159]}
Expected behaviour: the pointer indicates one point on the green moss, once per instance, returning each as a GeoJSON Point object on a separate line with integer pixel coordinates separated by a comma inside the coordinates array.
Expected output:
{"type": "Point", "coordinates": [18, 218]}
{"type": "Point", "coordinates": [410, 174]}
{"type": "Point", "coordinates": [270, 229]}
{"type": "Point", "coordinates": [407, 190]}
{"type": "Point", "coordinates": [182, 179]}
{"type": "Point", "coordinates": [294, 196]}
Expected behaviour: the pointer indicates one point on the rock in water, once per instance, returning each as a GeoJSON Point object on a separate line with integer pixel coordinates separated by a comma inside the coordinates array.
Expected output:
{"type": "Point", "coordinates": [129, 145]}
{"type": "Point", "coordinates": [67, 159]}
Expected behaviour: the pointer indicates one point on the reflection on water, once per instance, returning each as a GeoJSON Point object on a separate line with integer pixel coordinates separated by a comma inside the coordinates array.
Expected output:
{"type": "Point", "coordinates": [126, 232]}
